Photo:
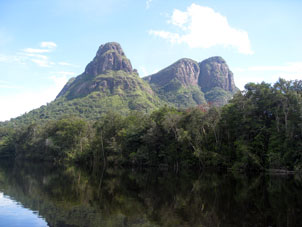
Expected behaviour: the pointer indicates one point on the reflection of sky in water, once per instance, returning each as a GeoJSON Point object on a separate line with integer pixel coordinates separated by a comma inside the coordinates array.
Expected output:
{"type": "Point", "coordinates": [12, 214]}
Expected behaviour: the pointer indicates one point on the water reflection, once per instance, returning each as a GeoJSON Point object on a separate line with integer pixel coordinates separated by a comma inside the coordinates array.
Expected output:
{"type": "Point", "coordinates": [68, 196]}
{"type": "Point", "coordinates": [15, 215]}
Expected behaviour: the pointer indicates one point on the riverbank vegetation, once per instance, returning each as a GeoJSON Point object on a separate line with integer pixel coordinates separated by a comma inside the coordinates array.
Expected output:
{"type": "Point", "coordinates": [260, 128]}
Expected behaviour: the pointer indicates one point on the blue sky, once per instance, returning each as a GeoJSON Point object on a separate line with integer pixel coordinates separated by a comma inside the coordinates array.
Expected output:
{"type": "Point", "coordinates": [44, 43]}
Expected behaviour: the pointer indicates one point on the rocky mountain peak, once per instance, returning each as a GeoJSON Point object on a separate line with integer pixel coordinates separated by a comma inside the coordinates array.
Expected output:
{"type": "Point", "coordinates": [216, 59]}
{"type": "Point", "coordinates": [214, 72]}
{"type": "Point", "coordinates": [111, 46]}
{"type": "Point", "coordinates": [185, 70]}
{"type": "Point", "coordinates": [109, 56]}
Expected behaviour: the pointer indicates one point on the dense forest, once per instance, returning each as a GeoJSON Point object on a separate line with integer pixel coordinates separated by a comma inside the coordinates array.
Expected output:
{"type": "Point", "coordinates": [260, 128]}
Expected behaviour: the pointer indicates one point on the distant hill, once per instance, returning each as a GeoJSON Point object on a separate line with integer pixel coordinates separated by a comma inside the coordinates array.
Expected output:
{"type": "Point", "coordinates": [109, 83]}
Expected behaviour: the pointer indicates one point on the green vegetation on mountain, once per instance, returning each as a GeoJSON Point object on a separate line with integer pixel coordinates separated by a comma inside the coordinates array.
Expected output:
{"type": "Point", "coordinates": [259, 129]}
{"type": "Point", "coordinates": [218, 96]}
{"type": "Point", "coordinates": [123, 92]}
{"type": "Point", "coordinates": [179, 96]}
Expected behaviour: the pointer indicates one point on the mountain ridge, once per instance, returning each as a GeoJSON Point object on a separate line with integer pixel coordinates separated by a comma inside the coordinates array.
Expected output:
{"type": "Point", "coordinates": [182, 82]}
{"type": "Point", "coordinates": [109, 83]}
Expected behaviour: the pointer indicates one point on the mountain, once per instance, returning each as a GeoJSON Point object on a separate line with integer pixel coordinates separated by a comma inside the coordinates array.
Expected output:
{"type": "Point", "coordinates": [109, 83]}
{"type": "Point", "coordinates": [216, 80]}
{"type": "Point", "coordinates": [178, 84]}
{"type": "Point", "coordinates": [109, 58]}
{"type": "Point", "coordinates": [187, 83]}
{"type": "Point", "coordinates": [214, 72]}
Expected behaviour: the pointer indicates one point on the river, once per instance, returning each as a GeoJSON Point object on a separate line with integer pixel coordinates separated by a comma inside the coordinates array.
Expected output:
{"type": "Point", "coordinates": [42, 194]}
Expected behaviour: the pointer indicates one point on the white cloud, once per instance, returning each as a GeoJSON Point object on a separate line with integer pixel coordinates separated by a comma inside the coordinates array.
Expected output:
{"type": "Point", "coordinates": [46, 48]}
{"type": "Point", "coordinates": [38, 59]}
{"type": "Point", "coordinates": [49, 45]}
{"type": "Point", "coordinates": [24, 57]}
{"type": "Point", "coordinates": [179, 19]}
{"type": "Point", "coordinates": [202, 27]}
{"type": "Point", "coordinates": [39, 56]}
{"type": "Point", "coordinates": [35, 54]}
{"type": "Point", "coordinates": [42, 62]}
{"type": "Point", "coordinates": [11, 58]}
{"type": "Point", "coordinates": [67, 73]}
{"type": "Point", "coordinates": [148, 3]}
{"type": "Point", "coordinates": [65, 64]}
{"type": "Point", "coordinates": [21, 102]}
{"type": "Point", "coordinates": [61, 80]}
{"type": "Point", "coordinates": [172, 37]}
{"type": "Point", "coordinates": [4, 58]}
{"type": "Point", "coordinates": [290, 70]}
{"type": "Point", "coordinates": [62, 63]}
{"type": "Point", "coordinates": [34, 51]}
{"type": "Point", "coordinates": [290, 67]}
{"type": "Point", "coordinates": [5, 37]}
{"type": "Point", "coordinates": [62, 74]}
{"type": "Point", "coordinates": [8, 85]}
{"type": "Point", "coordinates": [143, 71]}
{"type": "Point", "coordinates": [267, 73]}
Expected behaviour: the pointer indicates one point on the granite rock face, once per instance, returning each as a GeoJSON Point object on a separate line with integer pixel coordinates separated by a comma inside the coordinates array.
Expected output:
{"type": "Point", "coordinates": [208, 74]}
{"type": "Point", "coordinates": [188, 83]}
{"type": "Point", "coordinates": [178, 84]}
{"type": "Point", "coordinates": [214, 72]}
{"type": "Point", "coordinates": [185, 70]}
{"type": "Point", "coordinates": [110, 56]}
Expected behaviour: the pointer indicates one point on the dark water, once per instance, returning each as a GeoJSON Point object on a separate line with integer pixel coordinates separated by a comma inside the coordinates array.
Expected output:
{"type": "Point", "coordinates": [45, 195]}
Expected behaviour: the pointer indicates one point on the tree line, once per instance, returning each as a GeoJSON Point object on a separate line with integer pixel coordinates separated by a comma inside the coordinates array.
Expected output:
{"type": "Point", "coordinates": [260, 128]}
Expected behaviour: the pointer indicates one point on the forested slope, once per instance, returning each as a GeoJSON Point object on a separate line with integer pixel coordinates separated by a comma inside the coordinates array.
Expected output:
{"type": "Point", "coordinates": [261, 128]}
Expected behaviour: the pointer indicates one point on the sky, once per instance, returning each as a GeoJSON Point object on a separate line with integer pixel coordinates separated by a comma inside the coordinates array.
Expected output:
{"type": "Point", "coordinates": [45, 43]}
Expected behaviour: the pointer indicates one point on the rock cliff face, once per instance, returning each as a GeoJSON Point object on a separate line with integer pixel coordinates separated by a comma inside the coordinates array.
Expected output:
{"type": "Point", "coordinates": [214, 72]}
{"type": "Point", "coordinates": [208, 74]}
{"type": "Point", "coordinates": [66, 87]}
{"type": "Point", "coordinates": [185, 70]}
{"type": "Point", "coordinates": [110, 56]}
{"type": "Point", "coordinates": [187, 83]}
{"type": "Point", "coordinates": [178, 84]}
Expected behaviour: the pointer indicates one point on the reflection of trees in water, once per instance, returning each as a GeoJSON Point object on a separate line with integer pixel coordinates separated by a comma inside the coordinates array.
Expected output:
{"type": "Point", "coordinates": [72, 197]}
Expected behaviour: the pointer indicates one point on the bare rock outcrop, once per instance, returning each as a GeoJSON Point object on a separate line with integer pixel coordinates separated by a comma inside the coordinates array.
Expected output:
{"type": "Point", "coordinates": [214, 72]}
{"type": "Point", "coordinates": [110, 56]}
{"type": "Point", "coordinates": [185, 70]}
